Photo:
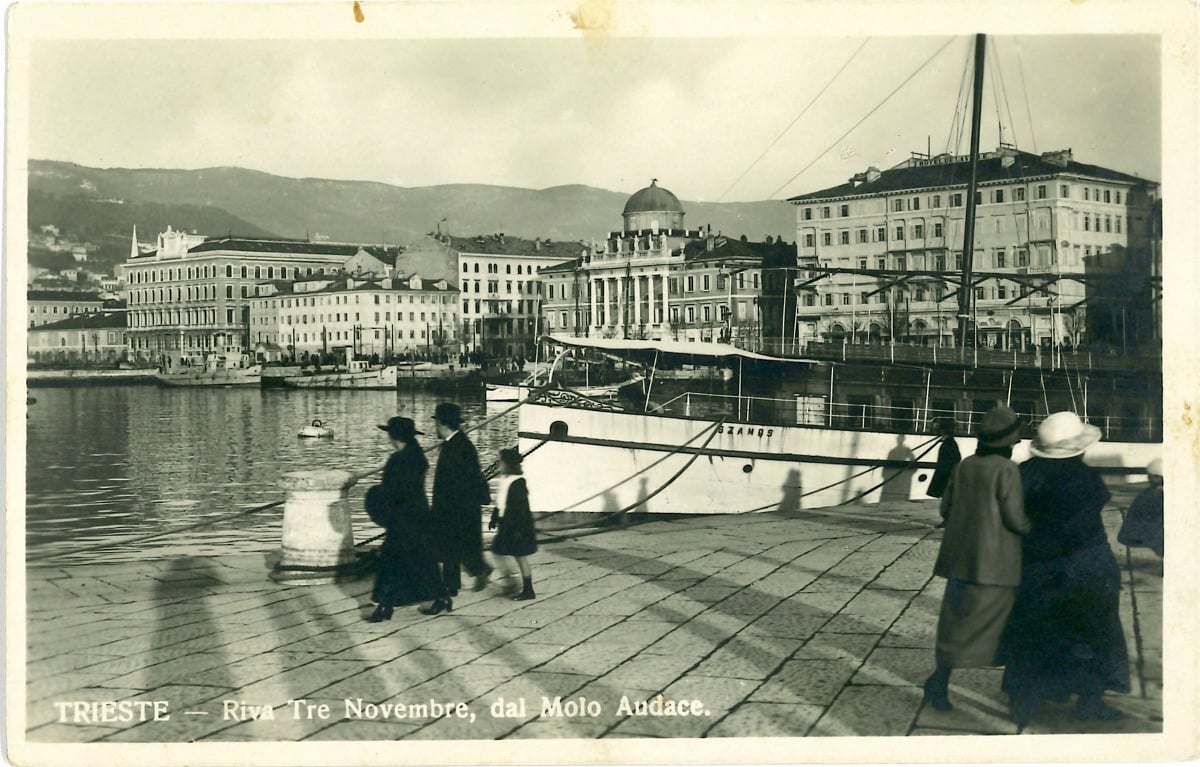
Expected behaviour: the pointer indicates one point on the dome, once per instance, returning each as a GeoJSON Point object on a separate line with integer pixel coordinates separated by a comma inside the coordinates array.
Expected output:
{"type": "Point", "coordinates": [652, 199]}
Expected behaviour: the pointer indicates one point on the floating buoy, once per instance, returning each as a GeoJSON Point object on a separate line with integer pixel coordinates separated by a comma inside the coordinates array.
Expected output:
{"type": "Point", "coordinates": [315, 431]}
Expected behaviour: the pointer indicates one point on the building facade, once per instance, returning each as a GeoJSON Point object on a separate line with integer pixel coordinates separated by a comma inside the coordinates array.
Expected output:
{"type": "Point", "coordinates": [52, 306]}
{"type": "Point", "coordinates": [384, 317]}
{"type": "Point", "coordinates": [656, 279]}
{"type": "Point", "coordinates": [501, 291]}
{"type": "Point", "coordinates": [89, 338]}
{"type": "Point", "coordinates": [191, 295]}
{"type": "Point", "coordinates": [1056, 244]}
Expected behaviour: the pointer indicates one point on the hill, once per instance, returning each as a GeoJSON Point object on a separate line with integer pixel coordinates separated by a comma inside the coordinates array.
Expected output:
{"type": "Point", "coordinates": [365, 211]}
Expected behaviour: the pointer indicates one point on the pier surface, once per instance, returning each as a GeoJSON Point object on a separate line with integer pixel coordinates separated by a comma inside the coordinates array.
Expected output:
{"type": "Point", "coordinates": [814, 623]}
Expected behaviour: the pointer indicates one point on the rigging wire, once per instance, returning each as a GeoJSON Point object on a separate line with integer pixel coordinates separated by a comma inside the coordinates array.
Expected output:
{"type": "Point", "coordinates": [954, 140]}
{"type": "Point", "coordinates": [864, 118]}
{"type": "Point", "coordinates": [1025, 93]}
{"type": "Point", "coordinates": [792, 124]}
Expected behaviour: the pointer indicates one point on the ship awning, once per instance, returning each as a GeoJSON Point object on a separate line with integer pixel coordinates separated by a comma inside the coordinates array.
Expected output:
{"type": "Point", "coordinates": [708, 350]}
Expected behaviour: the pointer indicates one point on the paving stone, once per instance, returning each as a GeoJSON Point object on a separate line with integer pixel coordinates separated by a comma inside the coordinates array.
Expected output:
{"type": "Point", "coordinates": [815, 682]}
{"type": "Point", "coordinates": [748, 657]}
{"type": "Point", "coordinates": [365, 730]}
{"type": "Point", "coordinates": [895, 666]}
{"type": "Point", "coordinates": [870, 710]}
{"type": "Point", "coordinates": [69, 733]}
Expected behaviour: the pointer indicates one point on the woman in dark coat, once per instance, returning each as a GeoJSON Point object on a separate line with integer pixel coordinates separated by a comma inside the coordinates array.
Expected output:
{"type": "Point", "coordinates": [1143, 524]}
{"type": "Point", "coordinates": [947, 458]}
{"type": "Point", "coordinates": [1065, 635]}
{"type": "Point", "coordinates": [980, 557]}
{"type": "Point", "coordinates": [516, 537]}
{"type": "Point", "coordinates": [408, 571]}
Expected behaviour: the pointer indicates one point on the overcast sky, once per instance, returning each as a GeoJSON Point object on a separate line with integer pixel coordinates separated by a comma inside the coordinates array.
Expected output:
{"type": "Point", "coordinates": [613, 113]}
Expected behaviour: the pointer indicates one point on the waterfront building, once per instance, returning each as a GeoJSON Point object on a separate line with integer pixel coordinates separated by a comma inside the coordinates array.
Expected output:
{"type": "Point", "coordinates": [1063, 253]}
{"type": "Point", "coordinates": [656, 279]}
{"type": "Point", "coordinates": [91, 337]}
{"type": "Point", "coordinates": [191, 294]}
{"type": "Point", "coordinates": [387, 317]}
{"type": "Point", "coordinates": [50, 306]}
{"type": "Point", "coordinates": [501, 291]}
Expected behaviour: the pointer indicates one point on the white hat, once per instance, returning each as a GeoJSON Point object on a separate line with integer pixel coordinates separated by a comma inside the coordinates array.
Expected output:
{"type": "Point", "coordinates": [1063, 435]}
{"type": "Point", "coordinates": [1155, 467]}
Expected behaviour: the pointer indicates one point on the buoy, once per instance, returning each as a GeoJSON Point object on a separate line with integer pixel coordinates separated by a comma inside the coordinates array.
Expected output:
{"type": "Point", "coordinates": [315, 431]}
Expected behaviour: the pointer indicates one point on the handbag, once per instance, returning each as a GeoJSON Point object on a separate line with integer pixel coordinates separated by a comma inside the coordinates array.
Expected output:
{"type": "Point", "coordinates": [380, 505]}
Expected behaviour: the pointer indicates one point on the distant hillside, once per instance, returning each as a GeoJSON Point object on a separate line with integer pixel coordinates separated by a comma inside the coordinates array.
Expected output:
{"type": "Point", "coordinates": [364, 211]}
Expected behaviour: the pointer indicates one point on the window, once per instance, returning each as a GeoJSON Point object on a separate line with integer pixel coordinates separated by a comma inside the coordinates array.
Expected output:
{"type": "Point", "coordinates": [827, 299]}
{"type": "Point", "coordinates": [1064, 191]}
{"type": "Point", "coordinates": [1096, 195]}
{"type": "Point", "coordinates": [900, 232]}
{"type": "Point", "coordinates": [228, 270]}
{"type": "Point", "coordinates": [706, 282]}
{"type": "Point", "coordinates": [919, 232]}
{"type": "Point", "coordinates": [844, 211]}
{"type": "Point", "coordinates": [674, 315]}
{"type": "Point", "coordinates": [229, 291]}
{"type": "Point", "coordinates": [810, 299]}
{"type": "Point", "coordinates": [979, 293]}
{"type": "Point", "coordinates": [720, 281]}
{"type": "Point", "coordinates": [754, 281]}
{"type": "Point", "coordinates": [901, 264]}
{"type": "Point", "coordinates": [999, 258]}
{"type": "Point", "coordinates": [466, 267]}
{"type": "Point", "coordinates": [826, 238]}
{"type": "Point", "coordinates": [476, 268]}
{"type": "Point", "coordinates": [825, 212]}
{"type": "Point", "coordinates": [1001, 291]}
{"type": "Point", "coordinates": [937, 229]}
{"type": "Point", "coordinates": [1087, 221]}
{"type": "Point", "coordinates": [862, 263]}
{"type": "Point", "coordinates": [808, 214]}
{"type": "Point", "coordinates": [844, 237]}
{"type": "Point", "coordinates": [810, 241]}
{"type": "Point", "coordinates": [979, 198]}
{"type": "Point", "coordinates": [862, 236]}
{"type": "Point", "coordinates": [997, 195]}
{"type": "Point", "coordinates": [845, 299]}
{"type": "Point", "coordinates": [897, 205]}
{"type": "Point", "coordinates": [1118, 222]}
{"type": "Point", "coordinates": [1118, 197]}
{"type": "Point", "coordinates": [508, 268]}
{"type": "Point", "coordinates": [936, 201]}
{"type": "Point", "coordinates": [706, 313]}
{"type": "Point", "coordinates": [691, 314]}
{"type": "Point", "coordinates": [916, 203]}
{"type": "Point", "coordinates": [1022, 257]}
{"type": "Point", "coordinates": [1086, 195]}
{"type": "Point", "coordinates": [958, 262]}
{"type": "Point", "coordinates": [939, 262]}
{"type": "Point", "coordinates": [881, 263]}
{"type": "Point", "coordinates": [1107, 195]}
{"type": "Point", "coordinates": [1108, 223]}
{"type": "Point", "coordinates": [562, 318]}
{"type": "Point", "coordinates": [691, 284]}
{"type": "Point", "coordinates": [956, 200]}
{"type": "Point", "coordinates": [244, 272]}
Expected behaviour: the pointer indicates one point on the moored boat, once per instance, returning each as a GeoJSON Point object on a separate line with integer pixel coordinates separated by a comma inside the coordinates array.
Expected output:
{"type": "Point", "coordinates": [358, 374]}
{"type": "Point", "coordinates": [214, 370]}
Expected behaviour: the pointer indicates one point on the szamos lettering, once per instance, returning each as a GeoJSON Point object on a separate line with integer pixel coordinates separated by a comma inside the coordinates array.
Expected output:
{"type": "Point", "coordinates": [745, 431]}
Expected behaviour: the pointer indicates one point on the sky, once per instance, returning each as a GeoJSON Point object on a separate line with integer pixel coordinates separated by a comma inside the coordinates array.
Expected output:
{"type": "Point", "coordinates": [699, 114]}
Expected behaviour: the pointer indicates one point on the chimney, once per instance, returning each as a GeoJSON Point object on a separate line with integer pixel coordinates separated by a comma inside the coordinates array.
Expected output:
{"type": "Point", "coordinates": [537, 243]}
{"type": "Point", "coordinates": [710, 239]}
{"type": "Point", "coordinates": [873, 174]}
{"type": "Point", "coordinates": [1059, 157]}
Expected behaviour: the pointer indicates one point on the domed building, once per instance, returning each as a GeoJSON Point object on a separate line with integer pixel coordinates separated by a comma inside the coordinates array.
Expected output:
{"type": "Point", "coordinates": [653, 208]}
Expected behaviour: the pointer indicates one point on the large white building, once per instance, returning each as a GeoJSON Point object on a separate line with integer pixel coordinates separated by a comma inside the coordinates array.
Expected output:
{"type": "Point", "coordinates": [385, 316]}
{"type": "Point", "coordinates": [1060, 250]}
{"type": "Point", "coordinates": [191, 295]}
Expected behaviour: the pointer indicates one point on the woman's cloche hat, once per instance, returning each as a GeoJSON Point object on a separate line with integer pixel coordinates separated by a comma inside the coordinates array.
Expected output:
{"type": "Point", "coordinates": [1063, 435]}
{"type": "Point", "coordinates": [401, 428]}
{"type": "Point", "coordinates": [1000, 427]}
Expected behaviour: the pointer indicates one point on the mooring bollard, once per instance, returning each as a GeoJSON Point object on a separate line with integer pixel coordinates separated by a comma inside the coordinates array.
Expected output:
{"type": "Point", "coordinates": [318, 539]}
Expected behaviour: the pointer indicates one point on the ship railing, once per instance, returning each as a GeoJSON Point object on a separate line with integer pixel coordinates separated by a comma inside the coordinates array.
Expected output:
{"type": "Point", "coordinates": [1033, 357]}
{"type": "Point", "coordinates": [820, 411]}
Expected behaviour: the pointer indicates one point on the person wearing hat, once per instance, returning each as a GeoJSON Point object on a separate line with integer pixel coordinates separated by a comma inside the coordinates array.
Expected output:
{"type": "Point", "coordinates": [1065, 635]}
{"type": "Point", "coordinates": [516, 536]}
{"type": "Point", "coordinates": [1143, 525]}
{"type": "Point", "coordinates": [408, 572]}
{"type": "Point", "coordinates": [459, 492]}
{"type": "Point", "coordinates": [947, 458]}
{"type": "Point", "coordinates": [980, 556]}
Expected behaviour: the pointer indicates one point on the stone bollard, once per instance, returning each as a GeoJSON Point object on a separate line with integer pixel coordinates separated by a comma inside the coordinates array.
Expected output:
{"type": "Point", "coordinates": [318, 542]}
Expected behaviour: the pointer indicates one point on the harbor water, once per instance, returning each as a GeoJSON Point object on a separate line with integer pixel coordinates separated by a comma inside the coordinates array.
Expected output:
{"type": "Point", "coordinates": [110, 463]}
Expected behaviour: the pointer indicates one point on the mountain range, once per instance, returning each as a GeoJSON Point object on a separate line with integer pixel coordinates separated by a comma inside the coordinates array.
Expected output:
{"type": "Point", "coordinates": [102, 205]}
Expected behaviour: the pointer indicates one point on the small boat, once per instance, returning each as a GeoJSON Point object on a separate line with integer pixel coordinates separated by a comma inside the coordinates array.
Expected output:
{"type": "Point", "coordinates": [315, 430]}
{"type": "Point", "coordinates": [215, 370]}
{"type": "Point", "coordinates": [519, 391]}
{"type": "Point", "coordinates": [358, 374]}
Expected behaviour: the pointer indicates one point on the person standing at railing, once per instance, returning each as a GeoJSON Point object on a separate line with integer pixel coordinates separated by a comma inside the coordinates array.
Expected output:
{"type": "Point", "coordinates": [459, 492]}
{"type": "Point", "coordinates": [947, 458]}
{"type": "Point", "coordinates": [980, 556]}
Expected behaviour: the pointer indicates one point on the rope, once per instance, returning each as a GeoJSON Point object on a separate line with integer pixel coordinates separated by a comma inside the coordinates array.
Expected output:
{"type": "Point", "coordinates": [256, 509]}
{"type": "Point", "coordinates": [671, 480]}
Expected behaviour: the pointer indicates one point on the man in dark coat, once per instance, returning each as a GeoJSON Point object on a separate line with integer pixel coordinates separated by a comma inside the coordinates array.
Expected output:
{"type": "Point", "coordinates": [459, 490]}
{"type": "Point", "coordinates": [947, 458]}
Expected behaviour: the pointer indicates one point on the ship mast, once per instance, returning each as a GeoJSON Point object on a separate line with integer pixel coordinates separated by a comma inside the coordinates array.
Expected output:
{"type": "Point", "coordinates": [966, 292]}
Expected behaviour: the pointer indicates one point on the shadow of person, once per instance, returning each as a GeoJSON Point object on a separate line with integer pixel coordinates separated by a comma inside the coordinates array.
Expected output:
{"type": "Point", "coordinates": [898, 472]}
{"type": "Point", "coordinates": [790, 502]}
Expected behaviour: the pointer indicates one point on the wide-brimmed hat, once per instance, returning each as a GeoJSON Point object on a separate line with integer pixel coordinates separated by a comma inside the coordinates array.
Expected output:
{"type": "Point", "coordinates": [401, 428]}
{"type": "Point", "coordinates": [1063, 435]}
{"type": "Point", "coordinates": [1155, 468]}
{"type": "Point", "coordinates": [511, 456]}
{"type": "Point", "coordinates": [449, 414]}
{"type": "Point", "coordinates": [1000, 427]}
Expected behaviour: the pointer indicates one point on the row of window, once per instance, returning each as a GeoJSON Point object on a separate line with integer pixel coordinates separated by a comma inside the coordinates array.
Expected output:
{"type": "Point", "coordinates": [494, 268]}
{"type": "Point", "coordinates": [531, 287]}
{"type": "Point", "coordinates": [89, 340]}
{"type": "Point", "coordinates": [337, 335]}
{"type": "Point", "coordinates": [177, 317]}
{"type": "Point", "coordinates": [70, 312]}
{"type": "Point", "coordinates": [499, 307]}
{"type": "Point", "coordinates": [996, 195]}
{"type": "Point", "coordinates": [209, 272]}
{"type": "Point", "coordinates": [303, 319]}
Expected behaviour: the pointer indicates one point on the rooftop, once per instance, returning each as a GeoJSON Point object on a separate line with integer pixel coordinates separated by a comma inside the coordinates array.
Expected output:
{"type": "Point", "coordinates": [502, 245]}
{"type": "Point", "coordinates": [61, 295]}
{"type": "Point", "coordinates": [385, 253]}
{"type": "Point", "coordinates": [652, 199]}
{"type": "Point", "coordinates": [948, 171]}
{"type": "Point", "coordinates": [96, 320]}
{"type": "Point", "coordinates": [341, 284]}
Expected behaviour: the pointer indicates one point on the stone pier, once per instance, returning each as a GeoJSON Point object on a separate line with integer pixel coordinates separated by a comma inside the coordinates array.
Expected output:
{"type": "Point", "coordinates": [318, 537]}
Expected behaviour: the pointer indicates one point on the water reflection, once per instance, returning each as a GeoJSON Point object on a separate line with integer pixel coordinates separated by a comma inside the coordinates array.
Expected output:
{"type": "Point", "coordinates": [108, 462]}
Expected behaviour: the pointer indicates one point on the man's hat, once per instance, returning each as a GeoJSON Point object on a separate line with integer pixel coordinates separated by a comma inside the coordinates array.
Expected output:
{"type": "Point", "coordinates": [448, 414]}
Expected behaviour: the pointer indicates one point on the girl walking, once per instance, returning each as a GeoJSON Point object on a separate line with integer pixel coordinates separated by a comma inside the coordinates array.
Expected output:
{"type": "Point", "coordinates": [516, 536]}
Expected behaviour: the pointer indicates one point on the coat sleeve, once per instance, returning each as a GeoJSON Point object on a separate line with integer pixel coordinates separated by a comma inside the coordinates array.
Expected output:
{"type": "Point", "coordinates": [1011, 498]}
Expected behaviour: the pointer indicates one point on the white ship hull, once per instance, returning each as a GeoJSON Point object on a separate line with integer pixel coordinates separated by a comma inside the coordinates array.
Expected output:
{"type": "Point", "coordinates": [383, 378]}
{"type": "Point", "coordinates": [608, 461]}
{"type": "Point", "coordinates": [249, 376]}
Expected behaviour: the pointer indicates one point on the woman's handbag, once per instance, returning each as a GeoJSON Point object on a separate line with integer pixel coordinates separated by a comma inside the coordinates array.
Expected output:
{"type": "Point", "coordinates": [381, 506]}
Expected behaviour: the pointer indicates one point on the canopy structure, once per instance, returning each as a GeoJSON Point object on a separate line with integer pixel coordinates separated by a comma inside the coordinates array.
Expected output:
{"type": "Point", "coordinates": [705, 350]}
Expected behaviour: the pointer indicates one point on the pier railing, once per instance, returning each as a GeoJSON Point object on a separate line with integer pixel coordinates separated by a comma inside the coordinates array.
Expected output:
{"type": "Point", "coordinates": [820, 411]}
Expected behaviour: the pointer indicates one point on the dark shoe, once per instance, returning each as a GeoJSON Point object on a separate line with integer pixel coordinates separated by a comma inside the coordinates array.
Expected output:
{"type": "Point", "coordinates": [452, 592]}
{"type": "Point", "coordinates": [937, 694]}
{"type": "Point", "coordinates": [526, 591]}
{"type": "Point", "coordinates": [438, 606]}
{"type": "Point", "coordinates": [1096, 708]}
{"type": "Point", "coordinates": [1023, 711]}
{"type": "Point", "coordinates": [481, 581]}
{"type": "Point", "coordinates": [381, 614]}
